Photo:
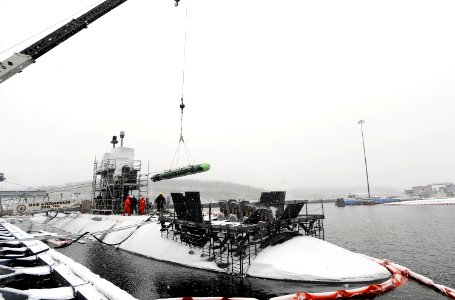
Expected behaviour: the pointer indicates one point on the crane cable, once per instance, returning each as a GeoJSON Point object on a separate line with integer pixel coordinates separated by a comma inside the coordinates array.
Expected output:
{"type": "Point", "coordinates": [182, 106]}
{"type": "Point", "coordinates": [189, 158]}
{"type": "Point", "coordinates": [181, 141]}
{"type": "Point", "coordinates": [184, 57]}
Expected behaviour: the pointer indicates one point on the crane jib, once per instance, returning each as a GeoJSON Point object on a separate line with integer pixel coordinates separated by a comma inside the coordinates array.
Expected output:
{"type": "Point", "coordinates": [18, 61]}
{"type": "Point", "coordinates": [69, 29]}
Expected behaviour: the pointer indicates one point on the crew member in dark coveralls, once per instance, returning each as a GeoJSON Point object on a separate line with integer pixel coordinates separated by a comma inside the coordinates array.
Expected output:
{"type": "Point", "coordinates": [133, 205]}
{"type": "Point", "coordinates": [159, 201]}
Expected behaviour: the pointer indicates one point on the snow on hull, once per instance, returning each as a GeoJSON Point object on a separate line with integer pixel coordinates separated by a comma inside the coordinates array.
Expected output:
{"type": "Point", "coordinates": [430, 201]}
{"type": "Point", "coordinates": [309, 259]}
{"type": "Point", "coordinates": [301, 258]}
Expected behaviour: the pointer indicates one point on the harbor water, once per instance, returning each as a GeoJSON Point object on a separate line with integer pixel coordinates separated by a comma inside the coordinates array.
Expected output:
{"type": "Point", "coordinates": [418, 237]}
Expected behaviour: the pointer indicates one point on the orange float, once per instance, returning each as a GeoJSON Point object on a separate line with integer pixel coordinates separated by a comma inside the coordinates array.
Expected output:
{"type": "Point", "coordinates": [399, 276]}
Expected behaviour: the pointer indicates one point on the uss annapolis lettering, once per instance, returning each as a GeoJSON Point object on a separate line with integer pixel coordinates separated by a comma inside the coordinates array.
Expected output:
{"type": "Point", "coordinates": [24, 208]}
{"type": "Point", "coordinates": [45, 205]}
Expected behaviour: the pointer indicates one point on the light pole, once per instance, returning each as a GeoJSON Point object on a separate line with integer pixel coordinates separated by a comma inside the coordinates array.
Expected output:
{"type": "Point", "coordinates": [365, 156]}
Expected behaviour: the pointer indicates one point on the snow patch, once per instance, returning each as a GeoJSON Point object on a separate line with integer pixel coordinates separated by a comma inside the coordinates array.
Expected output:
{"type": "Point", "coordinates": [301, 258]}
{"type": "Point", "coordinates": [306, 258]}
{"type": "Point", "coordinates": [431, 201]}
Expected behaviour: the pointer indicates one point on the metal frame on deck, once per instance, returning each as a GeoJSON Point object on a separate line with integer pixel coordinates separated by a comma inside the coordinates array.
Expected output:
{"type": "Point", "coordinates": [233, 245]}
{"type": "Point", "coordinates": [108, 191]}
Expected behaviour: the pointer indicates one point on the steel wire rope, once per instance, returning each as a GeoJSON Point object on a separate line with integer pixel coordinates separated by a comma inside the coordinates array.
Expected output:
{"type": "Point", "coordinates": [53, 190]}
{"type": "Point", "coordinates": [110, 230]}
{"type": "Point", "coordinates": [64, 189]}
{"type": "Point", "coordinates": [49, 218]}
{"type": "Point", "coordinates": [176, 166]}
{"type": "Point", "coordinates": [175, 153]}
{"type": "Point", "coordinates": [115, 244]}
{"type": "Point", "coordinates": [78, 236]}
{"type": "Point", "coordinates": [188, 154]}
{"type": "Point", "coordinates": [61, 21]}
{"type": "Point", "coordinates": [182, 106]}
{"type": "Point", "coordinates": [93, 234]}
{"type": "Point", "coordinates": [184, 49]}
{"type": "Point", "coordinates": [73, 241]}
{"type": "Point", "coordinates": [68, 188]}
{"type": "Point", "coordinates": [191, 161]}
{"type": "Point", "coordinates": [176, 157]}
{"type": "Point", "coordinates": [35, 189]}
{"type": "Point", "coordinates": [23, 256]}
{"type": "Point", "coordinates": [189, 157]}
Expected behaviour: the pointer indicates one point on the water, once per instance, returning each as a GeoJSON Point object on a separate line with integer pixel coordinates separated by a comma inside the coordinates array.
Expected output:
{"type": "Point", "coordinates": [420, 238]}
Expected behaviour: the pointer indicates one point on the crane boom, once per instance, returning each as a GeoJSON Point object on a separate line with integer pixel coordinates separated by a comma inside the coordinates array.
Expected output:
{"type": "Point", "coordinates": [18, 61]}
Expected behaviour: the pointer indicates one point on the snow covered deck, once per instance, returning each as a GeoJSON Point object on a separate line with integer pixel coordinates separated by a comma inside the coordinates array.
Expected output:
{"type": "Point", "coordinates": [301, 258]}
{"type": "Point", "coordinates": [32, 259]}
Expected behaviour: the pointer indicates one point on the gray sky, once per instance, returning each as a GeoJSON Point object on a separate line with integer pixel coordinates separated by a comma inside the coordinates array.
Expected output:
{"type": "Point", "coordinates": [273, 89]}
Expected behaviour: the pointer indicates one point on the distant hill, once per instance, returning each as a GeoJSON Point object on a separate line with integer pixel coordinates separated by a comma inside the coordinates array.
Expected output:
{"type": "Point", "coordinates": [212, 191]}
{"type": "Point", "coordinates": [331, 192]}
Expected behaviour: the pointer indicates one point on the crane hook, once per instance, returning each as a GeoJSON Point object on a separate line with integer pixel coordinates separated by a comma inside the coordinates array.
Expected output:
{"type": "Point", "coordinates": [176, 3]}
{"type": "Point", "coordinates": [182, 106]}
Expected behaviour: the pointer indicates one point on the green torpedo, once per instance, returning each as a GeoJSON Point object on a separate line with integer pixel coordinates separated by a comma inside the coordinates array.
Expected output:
{"type": "Point", "coordinates": [188, 170]}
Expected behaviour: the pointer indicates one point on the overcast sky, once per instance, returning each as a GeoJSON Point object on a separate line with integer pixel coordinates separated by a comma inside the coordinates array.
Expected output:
{"type": "Point", "coordinates": [273, 91]}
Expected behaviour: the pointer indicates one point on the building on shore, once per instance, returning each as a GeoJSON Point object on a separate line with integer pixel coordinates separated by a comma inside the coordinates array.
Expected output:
{"type": "Point", "coordinates": [438, 190]}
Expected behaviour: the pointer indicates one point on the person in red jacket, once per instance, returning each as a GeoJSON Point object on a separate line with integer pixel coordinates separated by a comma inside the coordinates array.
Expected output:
{"type": "Point", "coordinates": [142, 206]}
{"type": "Point", "coordinates": [127, 206]}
